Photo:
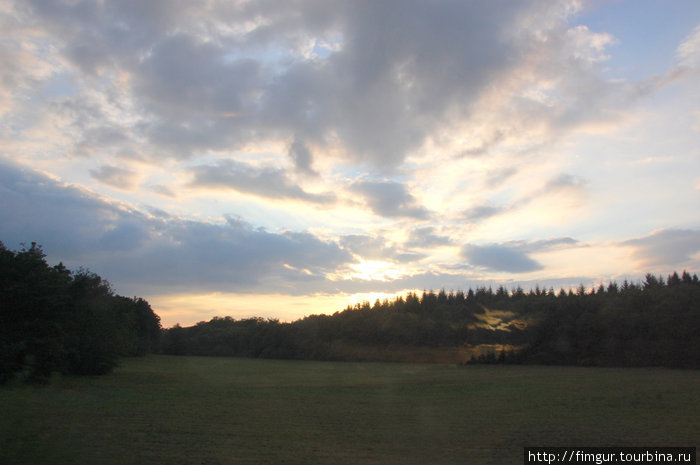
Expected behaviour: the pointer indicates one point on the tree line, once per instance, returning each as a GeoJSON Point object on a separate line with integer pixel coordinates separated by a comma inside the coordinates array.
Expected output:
{"type": "Point", "coordinates": [654, 323]}
{"type": "Point", "coordinates": [53, 319]}
{"type": "Point", "coordinates": [430, 320]}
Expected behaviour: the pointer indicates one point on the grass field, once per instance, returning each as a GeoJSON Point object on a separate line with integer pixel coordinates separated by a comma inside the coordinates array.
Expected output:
{"type": "Point", "coordinates": [189, 410]}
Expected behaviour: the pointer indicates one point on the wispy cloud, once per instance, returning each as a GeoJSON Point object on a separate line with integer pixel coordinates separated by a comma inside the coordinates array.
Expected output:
{"type": "Point", "coordinates": [558, 187]}
{"type": "Point", "coordinates": [264, 181]}
{"type": "Point", "coordinates": [671, 248]}
{"type": "Point", "coordinates": [481, 212]}
{"type": "Point", "coordinates": [376, 248]}
{"type": "Point", "coordinates": [115, 176]}
{"type": "Point", "coordinates": [688, 52]}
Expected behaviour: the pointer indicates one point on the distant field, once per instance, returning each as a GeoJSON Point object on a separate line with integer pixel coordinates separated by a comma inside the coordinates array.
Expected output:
{"type": "Point", "coordinates": [189, 410]}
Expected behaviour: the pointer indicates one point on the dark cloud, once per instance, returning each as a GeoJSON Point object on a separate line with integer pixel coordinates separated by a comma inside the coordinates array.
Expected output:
{"type": "Point", "coordinates": [100, 139]}
{"type": "Point", "coordinates": [62, 218]}
{"type": "Point", "coordinates": [301, 156]}
{"type": "Point", "coordinates": [265, 182]}
{"type": "Point", "coordinates": [512, 256]}
{"type": "Point", "coordinates": [389, 199]}
{"type": "Point", "coordinates": [427, 238]}
{"type": "Point", "coordinates": [101, 35]}
{"type": "Point", "coordinates": [124, 236]}
{"type": "Point", "coordinates": [564, 181]}
{"type": "Point", "coordinates": [666, 247]}
{"type": "Point", "coordinates": [406, 68]}
{"type": "Point", "coordinates": [218, 75]}
{"type": "Point", "coordinates": [376, 78]}
{"type": "Point", "coordinates": [115, 176]}
{"type": "Point", "coordinates": [481, 212]}
{"type": "Point", "coordinates": [540, 245]}
{"type": "Point", "coordinates": [498, 257]}
{"type": "Point", "coordinates": [184, 77]}
{"type": "Point", "coordinates": [144, 253]}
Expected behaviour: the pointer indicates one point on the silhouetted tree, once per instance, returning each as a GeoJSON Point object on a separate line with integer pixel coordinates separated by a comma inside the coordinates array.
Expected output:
{"type": "Point", "coordinates": [54, 320]}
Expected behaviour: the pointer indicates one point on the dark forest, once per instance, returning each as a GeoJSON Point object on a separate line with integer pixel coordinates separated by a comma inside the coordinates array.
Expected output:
{"type": "Point", "coordinates": [56, 320]}
{"type": "Point", "coordinates": [653, 323]}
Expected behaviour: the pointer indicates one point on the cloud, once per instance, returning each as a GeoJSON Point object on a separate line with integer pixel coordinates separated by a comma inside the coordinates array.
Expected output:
{"type": "Point", "coordinates": [484, 146]}
{"type": "Point", "coordinates": [376, 248]}
{"type": "Point", "coordinates": [688, 52]}
{"type": "Point", "coordinates": [101, 139]}
{"type": "Point", "coordinates": [398, 76]}
{"type": "Point", "coordinates": [550, 244]}
{"type": "Point", "coordinates": [368, 247]}
{"type": "Point", "coordinates": [301, 156]}
{"type": "Point", "coordinates": [497, 257]}
{"type": "Point", "coordinates": [513, 256]}
{"type": "Point", "coordinates": [219, 75]}
{"type": "Point", "coordinates": [61, 217]}
{"type": "Point", "coordinates": [563, 182]}
{"type": "Point", "coordinates": [498, 177]}
{"type": "Point", "coordinates": [665, 247]}
{"type": "Point", "coordinates": [368, 81]}
{"type": "Point", "coordinates": [143, 252]}
{"type": "Point", "coordinates": [115, 176]}
{"type": "Point", "coordinates": [389, 199]}
{"type": "Point", "coordinates": [24, 66]}
{"type": "Point", "coordinates": [99, 35]}
{"type": "Point", "coordinates": [371, 82]}
{"type": "Point", "coordinates": [163, 190]}
{"type": "Point", "coordinates": [427, 238]}
{"type": "Point", "coordinates": [558, 86]}
{"type": "Point", "coordinates": [315, 102]}
{"type": "Point", "coordinates": [481, 212]}
{"type": "Point", "coordinates": [562, 185]}
{"type": "Point", "coordinates": [264, 182]}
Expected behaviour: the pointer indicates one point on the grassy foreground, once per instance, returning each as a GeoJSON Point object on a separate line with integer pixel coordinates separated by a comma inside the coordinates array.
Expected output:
{"type": "Point", "coordinates": [190, 410]}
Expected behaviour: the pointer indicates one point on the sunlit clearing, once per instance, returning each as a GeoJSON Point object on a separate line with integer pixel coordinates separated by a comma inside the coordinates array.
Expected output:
{"type": "Point", "coordinates": [499, 320]}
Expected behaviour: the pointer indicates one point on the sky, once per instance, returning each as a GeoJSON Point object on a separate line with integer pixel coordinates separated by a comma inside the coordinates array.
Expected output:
{"type": "Point", "coordinates": [282, 159]}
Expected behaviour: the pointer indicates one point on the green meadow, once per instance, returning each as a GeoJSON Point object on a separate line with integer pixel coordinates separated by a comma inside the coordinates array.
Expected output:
{"type": "Point", "coordinates": [195, 410]}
